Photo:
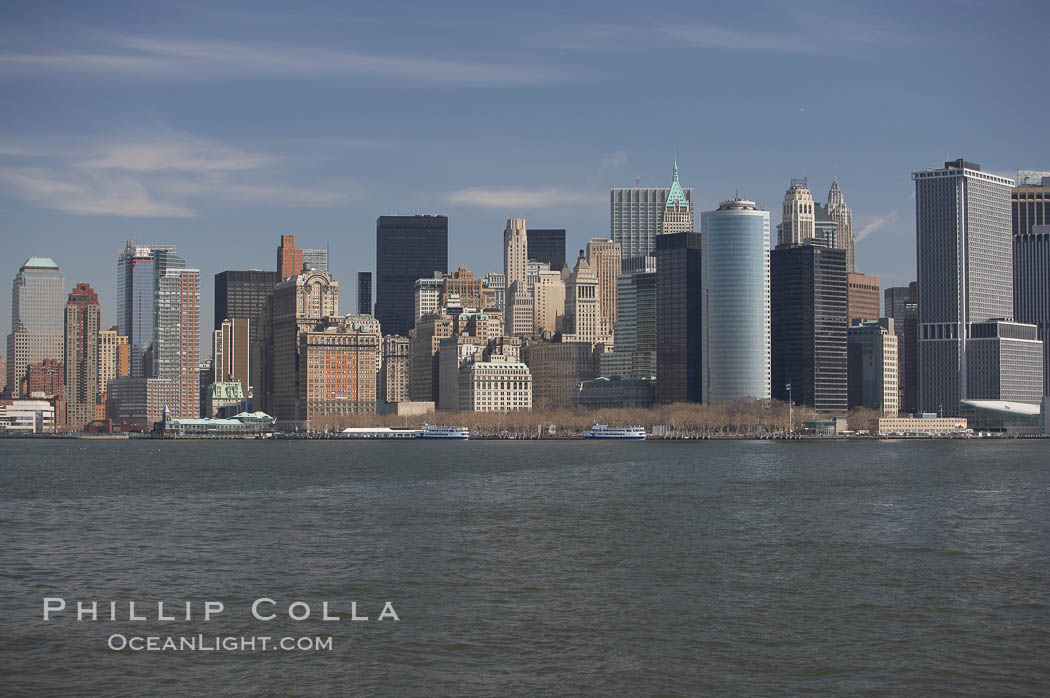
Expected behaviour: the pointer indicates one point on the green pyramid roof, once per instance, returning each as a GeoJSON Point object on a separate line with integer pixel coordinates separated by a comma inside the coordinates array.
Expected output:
{"type": "Point", "coordinates": [676, 195]}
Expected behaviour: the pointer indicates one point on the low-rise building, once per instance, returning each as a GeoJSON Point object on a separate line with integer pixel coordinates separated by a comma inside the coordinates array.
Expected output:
{"type": "Point", "coordinates": [616, 393]}
{"type": "Point", "coordinates": [27, 416]}
{"type": "Point", "coordinates": [243, 424]}
{"type": "Point", "coordinates": [927, 425]}
{"type": "Point", "coordinates": [498, 385]}
{"type": "Point", "coordinates": [557, 370]}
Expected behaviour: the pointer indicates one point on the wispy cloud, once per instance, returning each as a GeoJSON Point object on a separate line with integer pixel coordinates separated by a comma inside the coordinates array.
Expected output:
{"type": "Point", "coordinates": [166, 176]}
{"type": "Point", "coordinates": [191, 59]}
{"type": "Point", "coordinates": [879, 223]}
{"type": "Point", "coordinates": [609, 162]}
{"type": "Point", "coordinates": [518, 198]}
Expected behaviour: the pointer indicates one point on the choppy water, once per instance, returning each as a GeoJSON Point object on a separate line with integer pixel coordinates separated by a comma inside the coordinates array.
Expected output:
{"type": "Point", "coordinates": [532, 568]}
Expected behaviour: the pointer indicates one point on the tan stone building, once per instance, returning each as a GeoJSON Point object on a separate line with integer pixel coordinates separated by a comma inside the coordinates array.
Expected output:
{"type": "Point", "coordinates": [605, 261]}
{"type": "Point", "coordinates": [338, 377]}
{"type": "Point", "coordinates": [423, 368]}
{"type": "Point", "coordinates": [583, 320]}
{"type": "Point", "coordinates": [114, 359]}
{"type": "Point", "coordinates": [393, 374]}
{"type": "Point", "coordinates": [500, 384]}
{"type": "Point", "coordinates": [548, 303]}
{"type": "Point", "coordinates": [517, 314]}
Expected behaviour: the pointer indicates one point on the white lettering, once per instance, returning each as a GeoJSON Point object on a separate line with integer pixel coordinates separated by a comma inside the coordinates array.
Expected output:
{"type": "Point", "coordinates": [353, 612]}
{"type": "Point", "coordinates": [305, 613]}
{"type": "Point", "coordinates": [113, 639]}
{"type": "Point", "coordinates": [82, 610]}
{"type": "Point", "coordinates": [160, 612]}
{"type": "Point", "coordinates": [388, 612]}
{"type": "Point", "coordinates": [255, 609]}
{"type": "Point", "coordinates": [212, 607]}
{"type": "Point", "coordinates": [131, 613]}
{"type": "Point", "coordinates": [50, 605]}
{"type": "Point", "coordinates": [324, 612]}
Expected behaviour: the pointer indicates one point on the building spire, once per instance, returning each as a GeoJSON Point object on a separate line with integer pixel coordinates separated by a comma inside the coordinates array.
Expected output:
{"type": "Point", "coordinates": [675, 196]}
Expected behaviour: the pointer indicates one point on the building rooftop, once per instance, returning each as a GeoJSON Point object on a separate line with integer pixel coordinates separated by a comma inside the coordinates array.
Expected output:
{"type": "Point", "coordinates": [40, 263]}
{"type": "Point", "coordinates": [1021, 408]}
{"type": "Point", "coordinates": [676, 196]}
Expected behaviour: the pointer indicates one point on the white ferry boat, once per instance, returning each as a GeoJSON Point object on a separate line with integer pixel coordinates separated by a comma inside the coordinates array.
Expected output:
{"type": "Point", "coordinates": [430, 431]}
{"type": "Point", "coordinates": [604, 431]}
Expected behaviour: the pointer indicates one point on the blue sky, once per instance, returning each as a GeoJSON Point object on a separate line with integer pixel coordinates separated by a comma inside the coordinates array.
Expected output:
{"type": "Point", "coordinates": [220, 126]}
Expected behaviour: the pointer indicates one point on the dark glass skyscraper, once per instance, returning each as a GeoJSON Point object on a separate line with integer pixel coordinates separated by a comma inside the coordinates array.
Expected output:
{"type": "Point", "coordinates": [407, 248]}
{"type": "Point", "coordinates": [679, 329]}
{"type": "Point", "coordinates": [808, 326]}
{"type": "Point", "coordinates": [242, 294]}
{"type": "Point", "coordinates": [364, 292]}
{"type": "Point", "coordinates": [1032, 288]}
{"type": "Point", "coordinates": [547, 245]}
{"type": "Point", "coordinates": [902, 304]}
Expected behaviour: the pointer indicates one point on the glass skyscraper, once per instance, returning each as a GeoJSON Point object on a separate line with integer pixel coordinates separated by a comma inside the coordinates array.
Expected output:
{"type": "Point", "coordinates": [136, 289]}
{"type": "Point", "coordinates": [38, 303]}
{"type": "Point", "coordinates": [407, 248]}
{"type": "Point", "coordinates": [736, 299]}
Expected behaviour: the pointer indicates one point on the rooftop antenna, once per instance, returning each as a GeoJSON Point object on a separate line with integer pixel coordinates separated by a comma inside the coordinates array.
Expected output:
{"type": "Point", "coordinates": [637, 181]}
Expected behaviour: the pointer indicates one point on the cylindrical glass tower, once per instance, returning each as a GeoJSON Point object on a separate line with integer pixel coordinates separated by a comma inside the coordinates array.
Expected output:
{"type": "Point", "coordinates": [735, 315]}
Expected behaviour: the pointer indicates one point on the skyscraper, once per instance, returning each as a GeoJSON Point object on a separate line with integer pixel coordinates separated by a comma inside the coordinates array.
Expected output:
{"type": "Point", "coordinates": [315, 259]}
{"type": "Point", "coordinates": [1030, 201]}
{"type": "Point", "coordinates": [736, 301]}
{"type": "Point", "coordinates": [289, 258]}
{"type": "Point", "coordinates": [678, 210]}
{"type": "Point", "coordinates": [1032, 287]}
{"type": "Point", "coordinates": [679, 321]}
{"type": "Point", "coordinates": [636, 216]}
{"type": "Point", "coordinates": [82, 325]}
{"type": "Point", "coordinates": [547, 245]}
{"type": "Point", "coordinates": [176, 343]}
{"type": "Point", "coordinates": [518, 301]}
{"type": "Point", "coordinates": [965, 272]}
{"type": "Point", "coordinates": [797, 215]}
{"type": "Point", "coordinates": [808, 326]}
{"type": "Point", "coordinates": [232, 354]}
{"type": "Point", "coordinates": [37, 301]}
{"type": "Point", "coordinates": [136, 280]}
{"type": "Point", "coordinates": [872, 366]}
{"type": "Point", "coordinates": [364, 292]}
{"type": "Point", "coordinates": [841, 214]}
{"type": "Point", "coordinates": [583, 320]}
{"type": "Point", "coordinates": [114, 359]}
{"type": "Point", "coordinates": [243, 294]}
{"type": "Point", "coordinates": [902, 304]}
{"type": "Point", "coordinates": [407, 248]}
{"type": "Point", "coordinates": [604, 258]}
{"type": "Point", "coordinates": [634, 350]}
{"type": "Point", "coordinates": [863, 296]}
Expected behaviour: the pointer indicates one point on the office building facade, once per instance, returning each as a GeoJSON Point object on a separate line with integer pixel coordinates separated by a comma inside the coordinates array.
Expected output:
{"type": "Point", "coordinates": [1032, 287]}
{"type": "Point", "coordinates": [37, 327]}
{"type": "Point", "coordinates": [605, 260]}
{"type": "Point", "coordinates": [863, 296]}
{"type": "Point", "coordinates": [872, 370]}
{"type": "Point", "coordinates": [808, 326]}
{"type": "Point", "coordinates": [965, 273]}
{"type": "Point", "coordinates": [407, 248]}
{"type": "Point", "coordinates": [843, 217]}
{"type": "Point", "coordinates": [735, 277]}
{"type": "Point", "coordinates": [636, 216]}
{"type": "Point", "coordinates": [1030, 202]}
{"type": "Point", "coordinates": [289, 258]}
{"type": "Point", "coordinates": [547, 245]}
{"type": "Point", "coordinates": [177, 339]}
{"type": "Point", "coordinates": [679, 318]}
{"type": "Point", "coordinates": [902, 305]}
{"type": "Point", "coordinates": [83, 316]}
{"type": "Point", "coordinates": [364, 292]}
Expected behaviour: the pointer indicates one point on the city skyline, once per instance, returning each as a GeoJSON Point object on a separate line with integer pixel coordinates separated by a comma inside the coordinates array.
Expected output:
{"type": "Point", "coordinates": [166, 135]}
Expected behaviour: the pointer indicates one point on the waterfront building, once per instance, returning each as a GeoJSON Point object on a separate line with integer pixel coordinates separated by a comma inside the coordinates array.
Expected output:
{"type": "Point", "coordinates": [547, 245]}
{"type": "Point", "coordinates": [862, 296]}
{"type": "Point", "coordinates": [517, 302]}
{"type": "Point", "coordinates": [902, 304]}
{"type": "Point", "coordinates": [364, 292]}
{"type": "Point", "coordinates": [1030, 201]}
{"type": "Point", "coordinates": [426, 295]}
{"type": "Point", "coordinates": [3, 374]}
{"type": "Point", "coordinates": [423, 360]}
{"type": "Point", "coordinates": [736, 341]}
{"type": "Point", "coordinates": [634, 351]}
{"type": "Point", "coordinates": [808, 326]}
{"type": "Point", "coordinates": [453, 353]}
{"type": "Point", "coordinates": [81, 356]}
{"type": "Point", "coordinates": [289, 258]}
{"type": "Point", "coordinates": [37, 302]}
{"type": "Point", "coordinates": [927, 425]}
{"type": "Point", "coordinates": [114, 360]}
{"type": "Point", "coordinates": [299, 304]}
{"type": "Point", "coordinates": [583, 320]}
{"type": "Point", "coordinates": [498, 384]}
{"type": "Point", "coordinates": [177, 338]}
{"type": "Point", "coordinates": [548, 302]}
{"type": "Point", "coordinates": [1013, 418]}
{"type": "Point", "coordinates": [27, 416]}
{"type": "Point", "coordinates": [679, 322]}
{"type": "Point", "coordinates": [242, 424]}
{"type": "Point", "coordinates": [636, 216]}
{"type": "Point", "coordinates": [315, 259]}
{"type": "Point", "coordinates": [965, 273]}
{"type": "Point", "coordinates": [407, 248]}
{"type": "Point", "coordinates": [557, 369]}
{"type": "Point", "coordinates": [338, 359]}
{"type": "Point", "coordinates": [616, 393]}
{"type": "Point", "coordinates": [605, 260]}
{"type": "Point", "coordinates": [1004, 361]}
{"type": "Point", "coordinates": [232, 354]}
{"type": "Point", "coordinates": [393, 374]}
{"type": "Point", "coordinates": [138, 402]}
{"type": "Point", "coordinates": [797, 214]}
{"type": "Point", "coordinates": [136, 288]}
{"type": "Point", "coordinates": [223, 395]}
{"type": "Point", "coordinates": [1032, 287]}
{"type": "Point", "coordinates": [872, 372]}
{"type": "Point", "coordinates": [843, 217]}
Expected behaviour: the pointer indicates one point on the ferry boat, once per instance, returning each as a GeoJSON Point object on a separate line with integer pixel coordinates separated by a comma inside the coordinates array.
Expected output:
{"type": "Point", "coordinates": [604, 431]}
{"type": "Point", "coordinates": [430, 431]}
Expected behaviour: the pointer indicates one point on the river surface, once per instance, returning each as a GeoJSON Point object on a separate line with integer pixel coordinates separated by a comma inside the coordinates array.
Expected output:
{"type": "Point", "coordinates": [533, 568]}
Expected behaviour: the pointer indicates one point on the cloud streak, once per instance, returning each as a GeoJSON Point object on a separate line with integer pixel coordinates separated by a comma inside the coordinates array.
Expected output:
{"type": "Point", "coordinates": [191, 59]}
{"type": "Point", "coordinates": [518, 198]}
{"type": "Point", "coordinates": [166, 176]}
{"type": "Point", "coordinates": [878, 224]}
